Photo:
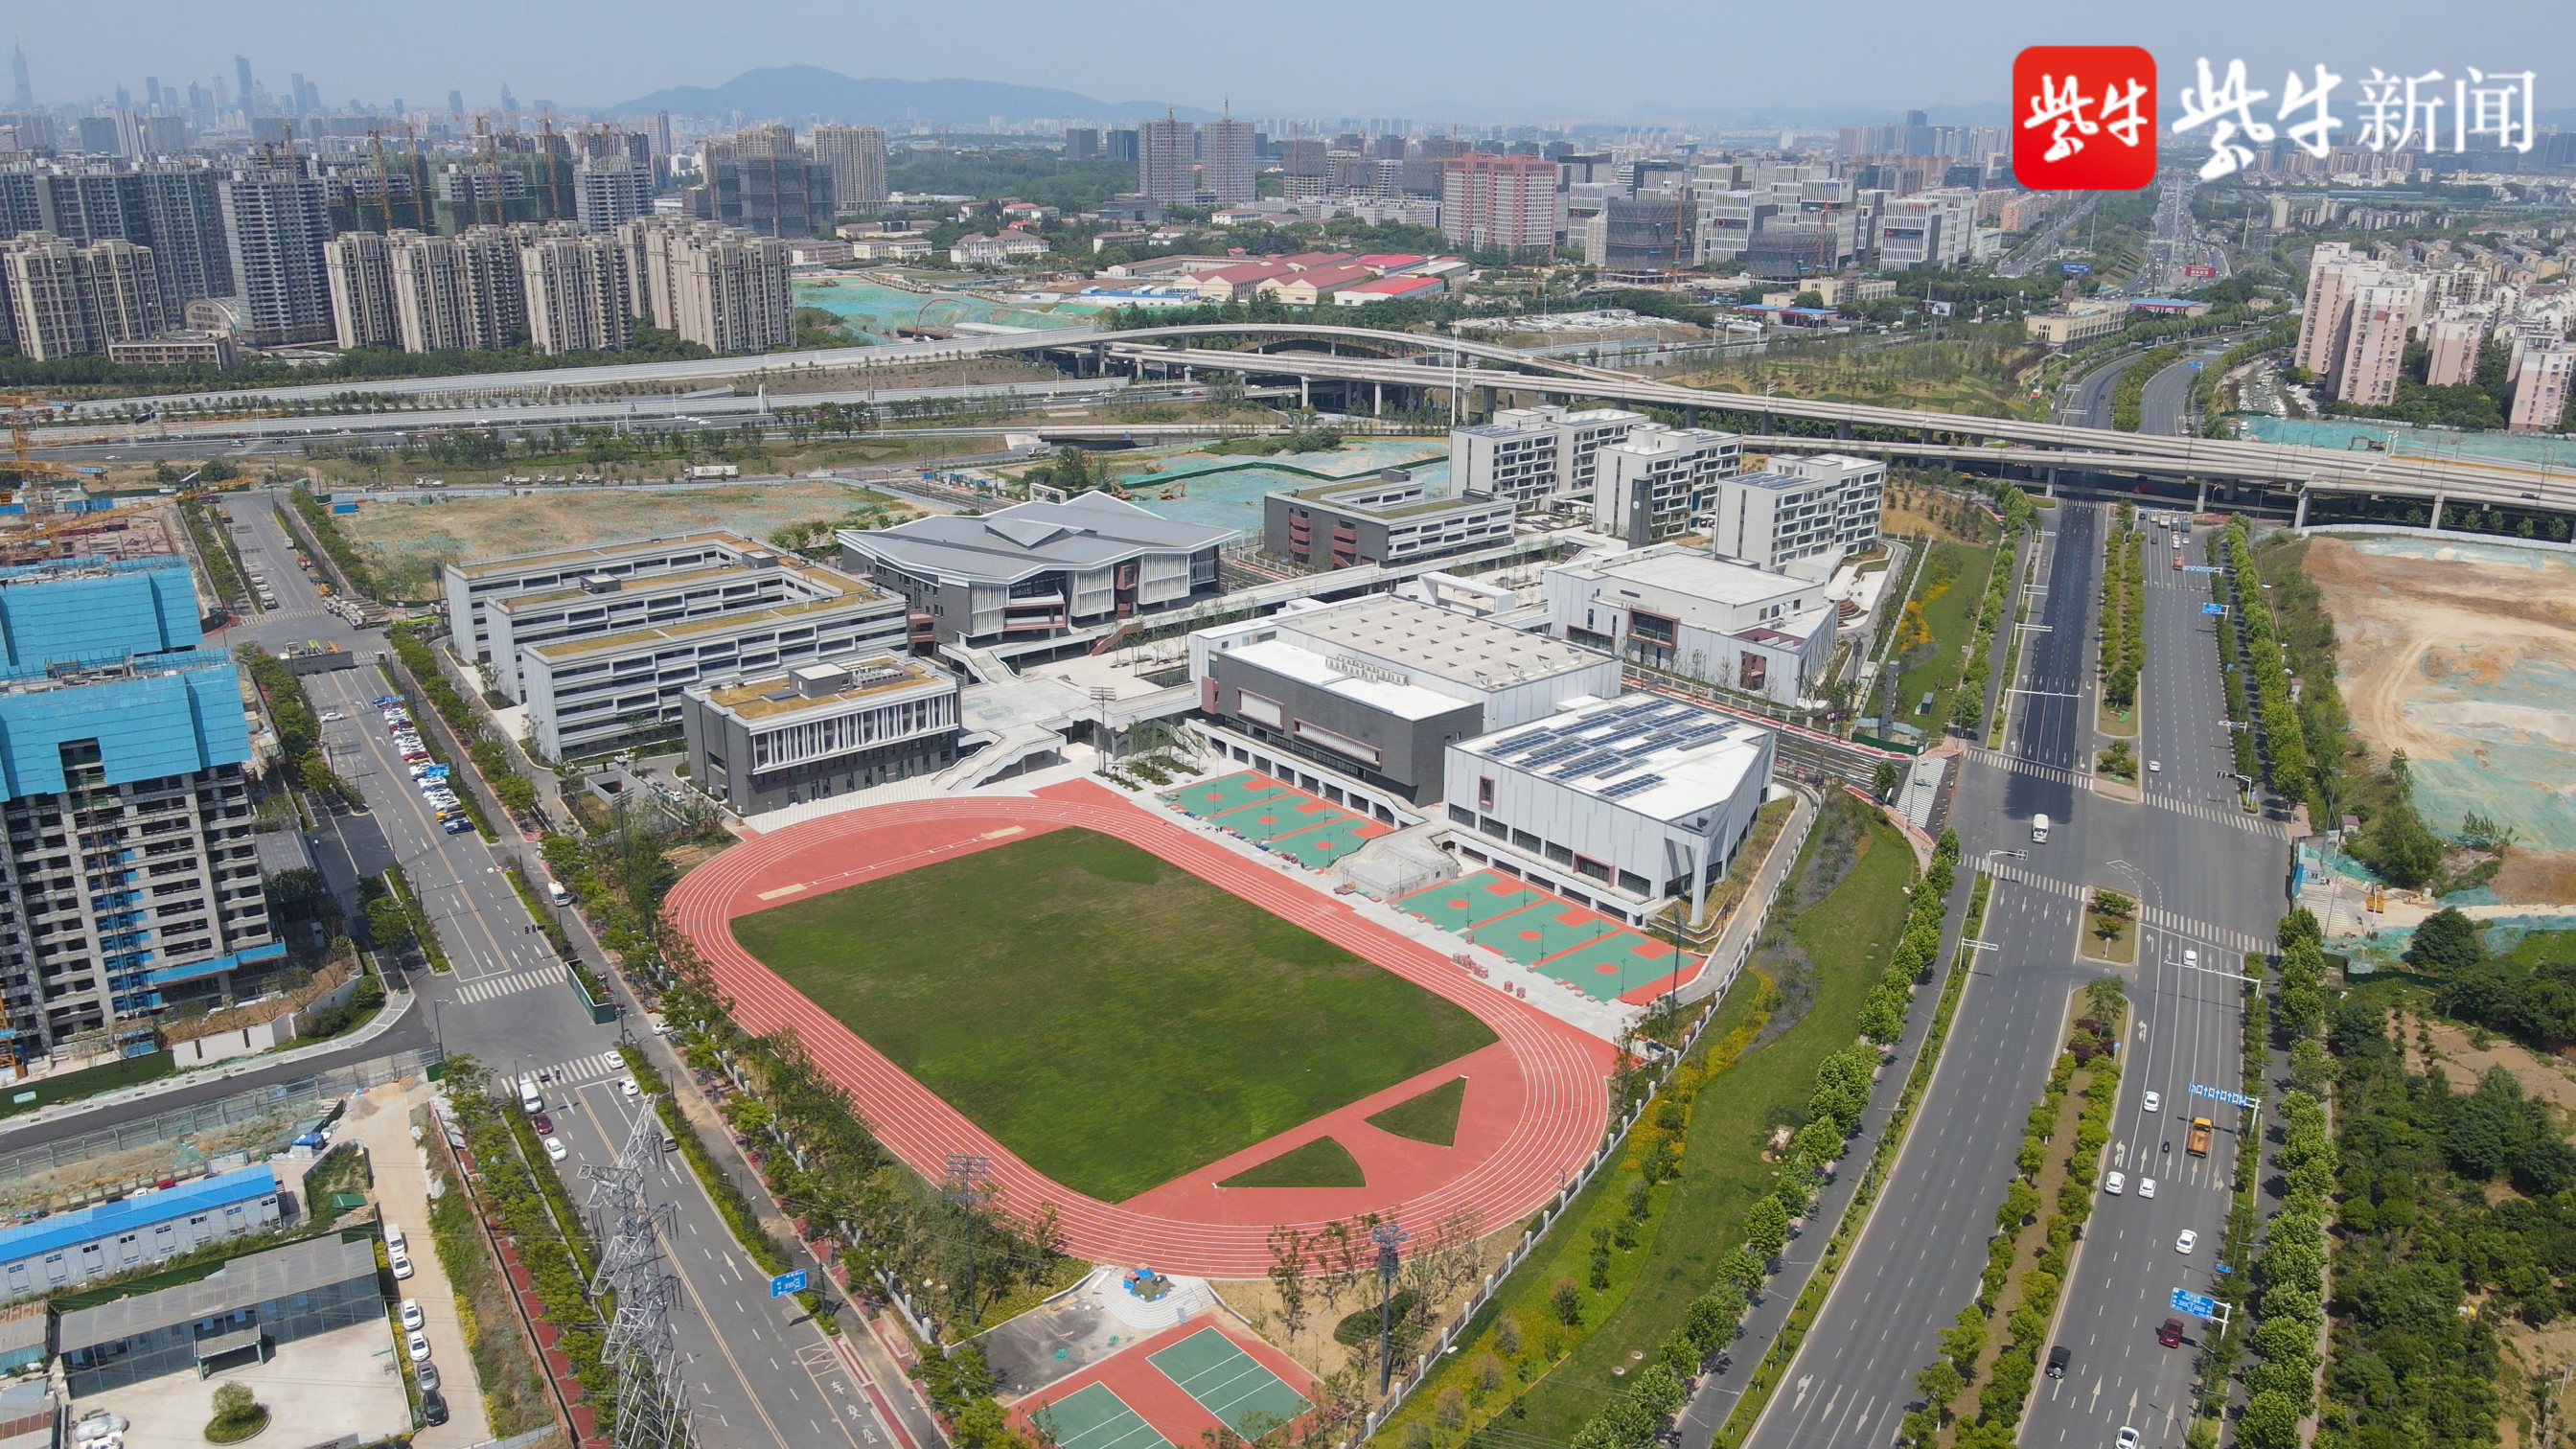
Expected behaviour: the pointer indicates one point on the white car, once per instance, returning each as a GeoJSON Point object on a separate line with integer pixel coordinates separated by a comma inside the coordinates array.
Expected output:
{"type": "Point", "coordinates": [418, 1347]}
{"type": "Point", "coordinates": [2154, 1101]}
{"type": "Point", "coordinates": [2113, 1183]}
{"type": "Point", "coordinates": [555, 1149]}
{"type": "Point", "coordinates": [402, 1264]}
{"type": "Point", "coordinates": [2190, 957]}
{"type": "Point", "coordinates": [2188, 1241]}
{"type": "Point", "coordinates": [2128, 1438]}
{"type": "Point", "coordinates": [2155, 767]}
{"type": "Point", "coordinates": [412, 1317]}
{"type": "Point", "coordinates": [627, 1085]}
{"type": "Point", "coordinates": [330, 716]}
{"type": "Point", "coordinates": [2146, 1187]}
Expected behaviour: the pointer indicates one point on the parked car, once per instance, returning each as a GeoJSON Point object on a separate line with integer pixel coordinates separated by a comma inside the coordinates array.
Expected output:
{"type": "Point", "coordinates": [433, 1405]}
{"type": "Point", "coordinates": [412, 1317]}
{"type": "Point", "coordinates": [555, 1149]}
{"type": "Point", "coordinates": [417, 1345]}
{"type": "Point", "coordinates": [428, 1376]}
{"type": "Point", "coordinates": [401, 1262]}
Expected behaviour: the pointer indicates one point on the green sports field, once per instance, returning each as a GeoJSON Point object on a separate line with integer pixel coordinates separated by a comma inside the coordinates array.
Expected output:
{"type": "Point", "coordinates": [1111, 1018]}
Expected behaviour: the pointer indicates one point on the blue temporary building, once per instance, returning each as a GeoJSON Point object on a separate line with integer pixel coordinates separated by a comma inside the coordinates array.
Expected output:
{"type": "Point", "coordinates": [69, 1248]}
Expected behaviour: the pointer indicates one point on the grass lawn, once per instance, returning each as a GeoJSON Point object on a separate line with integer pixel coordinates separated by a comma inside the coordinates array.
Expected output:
{"type": "Point", "coordinates": [1698, 1218]}
{"type": "Point", "coordinates": [1110, 1017]}
{"type": "Point", "coordinates": [2120, 950]}
{"type": "Point", "coordinates": [87, 1082]}
{"type": "Point", "coordinates": [1958, 573]}
{"type": "Point", "coordinates": [1320, 1163]}
{"type": "Point", "coordinates": [1431, 1117]}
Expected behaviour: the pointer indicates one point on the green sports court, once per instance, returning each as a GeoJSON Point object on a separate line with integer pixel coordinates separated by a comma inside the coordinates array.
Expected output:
{"type": "Point", "coordinates": [1233, 792]}
{"type": "Point", "coordinates": [1619, 963]}
{"type": "Point", "coordinates": [1470, 901]}
{"type": "Point", "coordinates": [1602, 958]}
{"type": "Point", "coordinates": [1227, 1382]}
{"type": "Point", "coordinates": [1313, 831]}
{"type": "Point", "coordinates": [1096, 1418]}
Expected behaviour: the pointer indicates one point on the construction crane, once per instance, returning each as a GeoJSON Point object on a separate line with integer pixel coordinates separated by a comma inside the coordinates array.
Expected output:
{"type": "Point", "coordinates": [24, 408]}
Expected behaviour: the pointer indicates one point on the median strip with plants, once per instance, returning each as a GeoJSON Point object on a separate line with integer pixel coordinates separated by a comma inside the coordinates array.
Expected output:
{"type": "Point", "coordinates": [1968, 701]}
{"type": "Point", "coordinates": [2284, 748]}
{"type": "Point", "coordinates": [2129, 391]}
{"type": "Point", "coordinates": [2123, 645]}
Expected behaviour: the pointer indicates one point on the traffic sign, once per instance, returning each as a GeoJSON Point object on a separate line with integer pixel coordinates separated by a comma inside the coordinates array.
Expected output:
{"type": "Point", "coordinates": [2233, 1099]}
{"type": "Point", "coordinates": [2212, 608]}
{"type": "Point", "coordinates": [2075, 269]}
{"type": "Point", "coordinates": [2198, 1305]}
{"type": "Point", "coordinates": [2202, 569]}
{"type": "Point", "coordinates": [786, 1283]}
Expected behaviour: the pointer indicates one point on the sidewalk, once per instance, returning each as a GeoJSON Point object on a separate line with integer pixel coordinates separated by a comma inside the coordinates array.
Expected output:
{"type": "Point", "coordinates": [380, 1121]}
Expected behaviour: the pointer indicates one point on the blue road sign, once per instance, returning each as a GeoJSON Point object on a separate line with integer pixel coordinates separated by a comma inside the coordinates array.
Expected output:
{"type": "Point", "coordinates": [2198, 1305]}
{"type": "Point", "coordinates": [2213, 608]}
{"type": "Point", "coordinates": [2075, 269]}
{"type": "Point", "coordinates": [786, 1283]}
{"type": "Point", "coordinates": [2202, 569]}
{"type": "Point", "coordinates": [2238, 1099]}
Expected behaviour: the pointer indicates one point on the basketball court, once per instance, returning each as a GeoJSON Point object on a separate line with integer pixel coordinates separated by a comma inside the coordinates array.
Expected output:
{"type": "Point", "coordinates": [1233, 792]}
{"type": "Point", "coordinates": [1604, 959]}
{"type": "Point", "coordinates": [1548, 926]}
{"type": "Point", "coordinates": [1472, 900]}
{"type": "Point", "coordinates": [1311, 830]}
{"type": "Point", "coordinates": [1623, 965]}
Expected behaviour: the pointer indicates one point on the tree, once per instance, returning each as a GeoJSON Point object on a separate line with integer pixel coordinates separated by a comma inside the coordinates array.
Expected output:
{"type": "Point", "coordinates": [389, 925]}
{"type": "Point", "coordinates": [1885, 781]}
{"type": "Point", "coordinates": [237, 1414]}
{"type": "Point", "coordinates": [1288, 1275]}
{"type": "Point", "coordinates": [2447, 941]}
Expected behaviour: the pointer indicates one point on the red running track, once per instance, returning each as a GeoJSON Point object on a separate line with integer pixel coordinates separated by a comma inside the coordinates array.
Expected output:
{"type": "Point", "coordinates": [1565, 1071]}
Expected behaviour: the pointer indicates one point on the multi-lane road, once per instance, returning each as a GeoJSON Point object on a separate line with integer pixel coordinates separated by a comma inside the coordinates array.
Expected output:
{"type": "Point", "coordinates": [759, 1372]}
{"type": "Point", "coordinates": [2208, 880]}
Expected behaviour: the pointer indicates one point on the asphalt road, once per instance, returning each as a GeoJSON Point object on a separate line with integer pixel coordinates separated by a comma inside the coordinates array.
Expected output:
{"type": "Point", "coordinates": [1916, 1263]}
{"type": "Point", "coordinates": [759, 1372]}
{"type": "Point", "coordinates": [2090, 404]}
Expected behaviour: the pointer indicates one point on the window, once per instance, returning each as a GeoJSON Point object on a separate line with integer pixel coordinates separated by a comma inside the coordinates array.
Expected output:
{"type": "Point", "coordinates": [1496, 828]}
{"type": "Point", "coordinates": [1461, 815]}
{"type": "Point", "coordinates": [1259, 709]}
{"type": "Point", "coordinates": [1635, 884]}
{"type": "Point", "coordinates": [1598, 870]}
{"type": "Point", "coordinates": [1485, 793]}
{"type": "Point", "coordinates": [1340, 744]}
{"type": "Point", "coordinates": [1525, 839]}
{"type": "Point", "coordinates": [1558, 853]}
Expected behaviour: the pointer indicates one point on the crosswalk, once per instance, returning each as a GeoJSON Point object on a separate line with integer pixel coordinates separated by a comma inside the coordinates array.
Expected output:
{"type": "Point", "coordinates": [2160, 919]}
{"type": "Point", "coordinates": [2219, 814]}
{"type": "Point", "coordinates": [490, 988]}
{"type": "Point", "coordinates": [581, 1071]}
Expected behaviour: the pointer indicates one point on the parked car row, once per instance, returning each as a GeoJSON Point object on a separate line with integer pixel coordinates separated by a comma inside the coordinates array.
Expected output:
{"type": "Point", "coordinates": [426, 772]}
{"type": "Point", "coordinates": [415, 1329]}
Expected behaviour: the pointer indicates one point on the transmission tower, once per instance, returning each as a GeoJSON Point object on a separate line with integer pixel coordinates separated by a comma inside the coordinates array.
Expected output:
{"type": "Point", "coordinates": [969, 1184]}
{"type": "Point", "coordinates": [652, 1396]}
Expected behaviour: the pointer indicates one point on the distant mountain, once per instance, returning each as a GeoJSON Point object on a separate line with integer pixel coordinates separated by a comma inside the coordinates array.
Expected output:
{"type": "Point", "coordinates": [805, 90]}
{"type": "Point", "coordinates": [1991, 113]}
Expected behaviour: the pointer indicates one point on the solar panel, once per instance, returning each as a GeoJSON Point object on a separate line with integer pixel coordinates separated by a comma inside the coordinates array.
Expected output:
{"type": "Point", "coordinates": [1626, 788]}
{"type": "Point", "coordinates": [1583, 764]}
{"type": "Point", "coordinates": [1562, 749]}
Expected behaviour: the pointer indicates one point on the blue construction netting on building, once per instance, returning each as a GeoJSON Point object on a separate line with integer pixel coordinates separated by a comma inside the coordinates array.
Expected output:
{"type": "Point", "coordinates": [177, 714]}
{"type": "Point", "coordinates": [86, 608]}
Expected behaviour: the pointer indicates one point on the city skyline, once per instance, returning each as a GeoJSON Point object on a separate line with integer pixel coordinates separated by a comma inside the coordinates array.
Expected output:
{"type": "Point", "coordinates": [1432, 64]}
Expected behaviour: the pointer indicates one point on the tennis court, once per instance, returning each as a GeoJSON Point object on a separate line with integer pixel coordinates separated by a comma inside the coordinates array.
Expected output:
{"type": "Point", "coordinates": [1619, 963]}
{"type": "Point", "coordinates": [1227, 1382]}
{"type": "Point", "coordinates": [1232, 792]}
{"type": "Point", "coordinates": [1096, 1418]}
{"type": "Point", "coordinates": [1325, 844]}
{"type": "Point", "coordinates": [1471, 900]}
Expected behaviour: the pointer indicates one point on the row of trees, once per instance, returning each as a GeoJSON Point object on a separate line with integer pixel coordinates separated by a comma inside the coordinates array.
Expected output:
{"type": "Point", "coordinates": [2535, 1004]}
{"type": "Point", "coordinates": [2124, 613]}
{"type": "Point", "coordinates": [1968, 701]}
{"type": "Point", "coordinates": [2280, 737]}
{"type": "Point", "coordinates": [2129, 389]}
{"type": "Point", "coordinates": [299, 729]}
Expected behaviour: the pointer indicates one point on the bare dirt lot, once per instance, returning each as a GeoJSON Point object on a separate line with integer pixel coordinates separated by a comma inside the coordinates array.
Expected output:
{"type": "Point", "coordinates": [408, 540]}
{"type": "Point", "coordinates": [2464, 656]}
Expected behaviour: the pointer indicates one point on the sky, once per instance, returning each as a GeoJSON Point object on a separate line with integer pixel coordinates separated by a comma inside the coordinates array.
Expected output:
{"type": "Point", "coordinates": [1432, 61]}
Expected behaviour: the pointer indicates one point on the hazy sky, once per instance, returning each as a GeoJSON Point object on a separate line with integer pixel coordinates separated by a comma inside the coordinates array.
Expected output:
{"type": "Point", "coordinates": [1443, 60]}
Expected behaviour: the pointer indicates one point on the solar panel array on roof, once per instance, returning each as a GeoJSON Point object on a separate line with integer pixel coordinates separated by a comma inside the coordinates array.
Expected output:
{"type": "Point", "coordinates": [1626, 788]}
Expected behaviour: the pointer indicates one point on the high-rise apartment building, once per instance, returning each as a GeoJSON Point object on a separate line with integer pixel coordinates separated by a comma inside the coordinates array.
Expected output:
{"type": "Point", "coordinates": [719, 287]}
{"type": "Point", "coordinates": [1167, 161]}
{"type": "Point", "coordinates": [360, 268]}
{"type": "Point", "coordinates": [2373, 357]}
{"type": "Point", "coordinates": [577, 296]}
{"type": "Point", "coordinates": [65, 300]}
{"type": "Point", "coordinates": [1500, 201]}
{"type": "Point", "coordinates": [2451, 347]}
{"type": "Point", "coordinates": [275, 221]}
{"type": "Point", "coordinates": [461, 291]}
{"type": "Point", "coordinates": [2333, 273]}
{"type": "Point", "coordinates": [856, 157]}
{"type": "Point", "coordinates": [1121, 145]}
{"type": "Point", "coordinates": [777, 196]}
{"type": "Point", "coordinates": [171, 209]}
{"type": "Point", "coordinates": [610, 191]}
{"type": "Point", "coordinates": [1081, 143]}
{"type": "Point", "coordinates": [2543, 380]}
{"type": "Point", "coordinates": [1226, 164]}
{"type": "Point", "coordinates": [133, 883]}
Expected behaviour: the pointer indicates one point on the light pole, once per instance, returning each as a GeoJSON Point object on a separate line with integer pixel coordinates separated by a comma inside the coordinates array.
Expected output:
{"type": "Point", "coordinates": [1388, 1237]}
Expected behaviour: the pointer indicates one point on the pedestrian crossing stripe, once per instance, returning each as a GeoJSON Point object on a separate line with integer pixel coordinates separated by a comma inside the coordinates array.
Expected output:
{"type": "Point", "coordinates": [581, 1071]}
{"type": "Point", "coordinates": [489, 988]}
{"type": "Point", "coordinates": [2160, 919]}
{"type": "Point", "coordinates": [2064, 776]}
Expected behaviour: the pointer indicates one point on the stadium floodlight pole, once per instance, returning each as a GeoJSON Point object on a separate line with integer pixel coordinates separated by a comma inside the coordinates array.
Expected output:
{"type": "Point", "coordinates": [967, 1171]}
{"type": "Point", "coordinates": [1389, 1237]}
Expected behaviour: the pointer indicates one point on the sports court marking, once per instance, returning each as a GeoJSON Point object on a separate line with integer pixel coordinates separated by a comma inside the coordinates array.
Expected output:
{"type": "Point", "coordinates": [1621, 963]}
{"type": "Point", "coordinates": [1472, 900]}
{"type": "Point", "coordinates": [1229, 1383]}
{"type": "Point", "coordinates": [1231, 792]}
{"type": "Point", "coordinates": [1325, 844]}
{"type": "Point", "coordinates": [1096, 1418]}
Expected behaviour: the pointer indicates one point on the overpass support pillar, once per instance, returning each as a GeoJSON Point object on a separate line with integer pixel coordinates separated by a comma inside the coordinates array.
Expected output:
{"type": "Point", "coordinates": [1690, 417]}
{"type": "Point", "coordinates": [1306, 393]}
{"type": "Point", "coordinates": [2049, 489]}
{"type": "Point", "coordinates": [2200, 498]}
{"type": "Point", "coordinates": [1485, 402]}
{"type": "Point", "coordinates": [1842, 428]}
{"type": "Point", "coordinates": [1381, 398]}
{"type": "Point", "coordinates": [2438, 500]}
{"type": "Point", "coordinates": [2300, 520]}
